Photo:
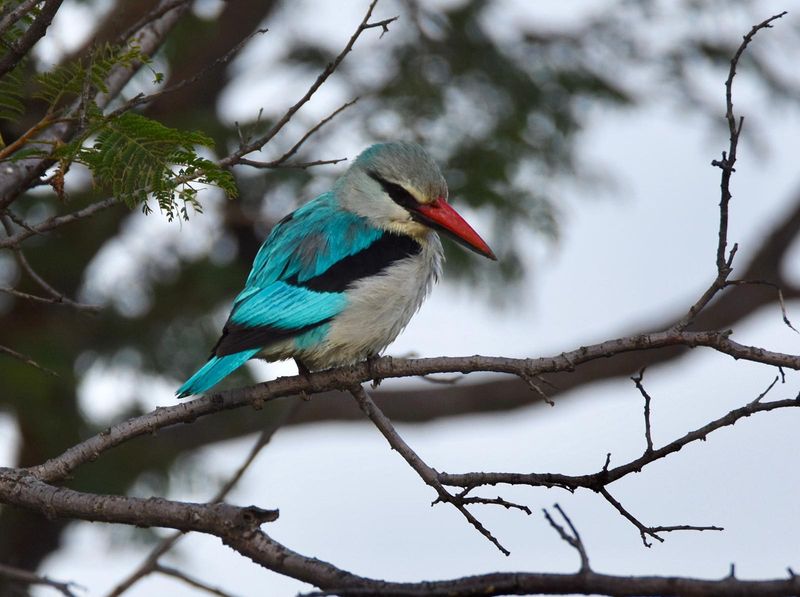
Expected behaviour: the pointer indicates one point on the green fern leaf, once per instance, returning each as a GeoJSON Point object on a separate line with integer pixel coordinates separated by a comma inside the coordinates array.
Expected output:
{"type": "Point", "coordinates": [135, 156]}
{"type": "Point", "coordinates": [68, 81]}
{"type": "Point", "coordinates": [12, 94]}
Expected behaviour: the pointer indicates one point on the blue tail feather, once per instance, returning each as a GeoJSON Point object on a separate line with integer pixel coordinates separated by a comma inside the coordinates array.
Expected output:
{"type": "Point", "coordinates": [214, 371]}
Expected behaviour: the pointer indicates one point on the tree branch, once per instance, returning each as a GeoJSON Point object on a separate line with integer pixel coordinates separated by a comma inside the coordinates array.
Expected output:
{"type": "Point", "coordinates": [426, 473]}
{"type": "Point", "coordinates": [239, 529]}
{"type": "Point", "coordinates": [151, 563]}
{"type": "Point", "coordinates": [25, 359]}
{"type": "Point", "coordinates": [385, 368]}
{"type": "Point", "coordinates": [30, 578]}
{"type": "Point", "coordinates": [18, 48]}
{"type": "Point", "coordinates": [257, 144]}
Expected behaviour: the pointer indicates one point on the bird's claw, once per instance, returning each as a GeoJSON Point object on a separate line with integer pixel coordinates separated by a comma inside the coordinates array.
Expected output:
{"type": "Point", "coordinates": [371, 361]}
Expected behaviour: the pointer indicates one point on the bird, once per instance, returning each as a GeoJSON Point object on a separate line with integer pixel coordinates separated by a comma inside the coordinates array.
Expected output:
{"type": "Point", "coordinates": [338, 279]}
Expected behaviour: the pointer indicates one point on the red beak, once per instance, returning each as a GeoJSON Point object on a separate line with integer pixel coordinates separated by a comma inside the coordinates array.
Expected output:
{"type": "Point", "coordinates": [440, 216]}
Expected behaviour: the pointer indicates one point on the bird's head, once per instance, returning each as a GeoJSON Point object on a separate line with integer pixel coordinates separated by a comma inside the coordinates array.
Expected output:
{"type": "Point", "coordinates": [399, 187]}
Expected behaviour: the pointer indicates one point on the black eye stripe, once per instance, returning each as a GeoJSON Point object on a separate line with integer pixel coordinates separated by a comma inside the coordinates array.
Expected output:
{"type": "Point", "coordinates": [397, 193]}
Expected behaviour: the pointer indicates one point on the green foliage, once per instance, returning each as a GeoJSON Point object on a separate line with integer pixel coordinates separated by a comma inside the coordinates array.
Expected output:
{"type": "Point", "coordinates": [86, 76]}
{"type": "Point", "coordinates": [134, 156]}
{"type": "Point", "coordinates": [12, 95]}
{"type": "Point", "coordinates": [129, 155]}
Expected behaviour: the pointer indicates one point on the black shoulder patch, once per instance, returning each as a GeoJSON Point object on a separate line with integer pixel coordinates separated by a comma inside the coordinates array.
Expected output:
{"type": "Point", "coordinates": [236, 337]}
{"type": "Point", "coordinates": [369, 261]}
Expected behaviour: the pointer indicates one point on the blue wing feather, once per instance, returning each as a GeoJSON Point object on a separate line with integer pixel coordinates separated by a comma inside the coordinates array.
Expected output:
{"type": "Point", "coordinates": [285, 306]}
{"type": "Point", "coordinates": [273, 304]}
{"type": "Point", "coordinates": [311, 240]}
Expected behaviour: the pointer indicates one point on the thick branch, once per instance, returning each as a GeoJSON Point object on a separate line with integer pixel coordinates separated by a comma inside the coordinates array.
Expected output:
{"type": "Point", "coordinates": [384, 368]}
{"type": "Point", "coordinates": [20, 488]}
{"type": "Point", "coordinates": [238, 528]}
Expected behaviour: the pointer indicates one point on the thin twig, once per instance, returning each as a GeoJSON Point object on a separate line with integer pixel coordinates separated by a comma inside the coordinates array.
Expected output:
{"type": "Point", "coordinates": [761, 396]}
{"type": "Point", "coordinates": [645, 531]}
{"type": "Point", "coordinates": [574, 539]}
{"type": "Point", "coordinates": [256, 145]}
{"type": "Point", "coordinates": [297, 165]}
{"type": "Point", "coordinates": [294, 149]}
{"type": "Point", "coordinates": [159, 11]}
{"type": "Point", "coordinates": [27, 360]}
{"type": "Point", "coordinates": [426, 473]}
{"type": "Point", "coordinates": [141, 98]}
{"type": "Point", "coordinates": [724, 261]}
{"type": "Point", "coordinates": [637, 379]}
{"type": "Point", "coordinates": [57, 221]}
{"type": "Point", "coordinates": [778, 290]}
{"type": "Point", "coordinates": [56, 297]}
{"type": "Point", "coordinates": [31, 578]}
{"type": "Point", "coordinates": [190, 580]}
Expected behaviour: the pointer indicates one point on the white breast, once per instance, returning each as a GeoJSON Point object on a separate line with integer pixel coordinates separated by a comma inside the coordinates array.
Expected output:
{"type": "Point", "coordinates": [378, 308]}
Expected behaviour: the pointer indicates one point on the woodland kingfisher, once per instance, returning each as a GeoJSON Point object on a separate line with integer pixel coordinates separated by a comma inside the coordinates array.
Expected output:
{"type": "Point", "coordinates": [339, 278]}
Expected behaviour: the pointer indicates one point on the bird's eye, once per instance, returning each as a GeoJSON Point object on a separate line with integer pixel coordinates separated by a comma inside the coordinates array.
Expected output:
{"type": "Point", "coordinates": [397, 193]}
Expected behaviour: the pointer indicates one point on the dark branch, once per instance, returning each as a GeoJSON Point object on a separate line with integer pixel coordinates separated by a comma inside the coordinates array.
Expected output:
{"type": "Point", "coordinates": [385, 368]}
{"type": "Point", "coordinates": [18, 48]}
{"type": "Point", "coordinates": [426, 473]}
{"type": "Point", "coordinates": [235, 157]}
{"type": "Point", "coordinates": [26, 577]}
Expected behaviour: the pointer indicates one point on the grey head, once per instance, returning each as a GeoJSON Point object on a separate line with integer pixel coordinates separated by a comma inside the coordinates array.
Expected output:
{"type": "Point", "coordinates": [398, 187]}
{"type": "Point", "coordinates": [385, 183]}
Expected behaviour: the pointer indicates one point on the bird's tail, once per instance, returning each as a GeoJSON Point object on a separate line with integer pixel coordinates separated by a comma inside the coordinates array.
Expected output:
{"type": "Point", "coordinates": [213, 372]}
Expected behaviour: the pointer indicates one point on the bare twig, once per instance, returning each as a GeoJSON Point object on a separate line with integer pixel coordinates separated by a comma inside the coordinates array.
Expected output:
{"type": "Point", "coordinates": [645, 531]}
{"type": "Point", "coordinates": [778, 290]}
{"type": "Point", "coordinates": [761, 396]}
{"type": "Point", "coordinates": [637, 379]}
{"type": "Point", "coordinates": [295, 148]}
{"type": "Point", "coordinates": [27, 360]}
{"type": "Point", "coordinates": [573, 539]}
{"type": "Point", "coordinates": [426, 473]}
{"type": "Point", "coordinates": [159, 11]}
{"type": "Point", "coordinates": [296, 165]}
{"type": "Point", "coordinates": [724, 260]}
{"type": "Point", "coordinates": [141, 98]}
{"type": "Point", "coordinates": [31, 578]}
{"type": "Point", "coordinates": [56, 297]}
{"type": "Point", "coordinates": [57, 221]}
{"type": "Point", "coordinates": [235, 157]}
{"type": "Point", "coordinates": [190, 580]}
{"type": "Point", "coordinates": [599, 480]}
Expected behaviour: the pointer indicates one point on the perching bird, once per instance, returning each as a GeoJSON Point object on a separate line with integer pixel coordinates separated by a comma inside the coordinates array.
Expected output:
{"type": "Point", "coordinates": [338, 279]}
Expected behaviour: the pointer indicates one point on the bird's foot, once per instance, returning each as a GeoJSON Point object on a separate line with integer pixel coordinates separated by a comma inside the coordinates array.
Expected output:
{"type": "Point", "coordinates": [371, 361]}
{"type": "Point", "coordinates": [304, 372]}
